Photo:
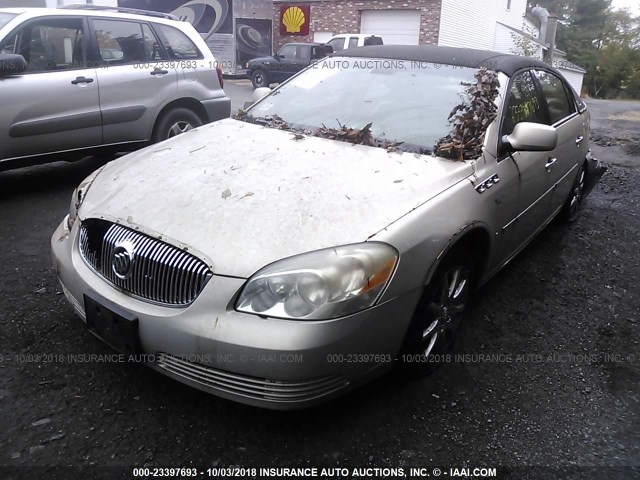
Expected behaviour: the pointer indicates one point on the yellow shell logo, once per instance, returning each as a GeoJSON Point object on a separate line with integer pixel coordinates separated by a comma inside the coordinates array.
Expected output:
{"type": "Point", "coordinates": [293, 19]}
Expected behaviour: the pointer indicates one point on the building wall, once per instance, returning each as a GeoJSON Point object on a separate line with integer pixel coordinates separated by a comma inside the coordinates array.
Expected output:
{"type": "Point", "coordinates": [343, 16]}
{"type": "Point", "coordinates": [473, 24]}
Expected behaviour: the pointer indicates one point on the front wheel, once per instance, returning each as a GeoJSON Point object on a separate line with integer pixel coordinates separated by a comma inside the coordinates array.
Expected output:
{"type": "Point", "coordinates": [571, 208]}
{"type": "Point", "coordinates": [438, 316]}
{"type": "Point", "coordinates": [175, 122]}
{"type": "Point", "coordinates": [259, 78]}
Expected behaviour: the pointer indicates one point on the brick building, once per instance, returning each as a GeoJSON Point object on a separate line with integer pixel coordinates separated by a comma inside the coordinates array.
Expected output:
{"type": "Point", "coordinates": [417, 20]}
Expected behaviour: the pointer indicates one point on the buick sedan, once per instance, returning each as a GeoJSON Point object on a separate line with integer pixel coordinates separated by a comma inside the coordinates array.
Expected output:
{"type": "Point", "coordinates": [332, 231]}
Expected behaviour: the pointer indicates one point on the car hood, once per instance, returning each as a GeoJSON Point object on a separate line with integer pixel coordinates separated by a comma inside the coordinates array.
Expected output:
{"type": "Point", "coordinates": [242, 196]}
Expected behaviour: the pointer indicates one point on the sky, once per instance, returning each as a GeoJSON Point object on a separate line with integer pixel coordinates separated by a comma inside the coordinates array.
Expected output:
{"type": "Point", "coordinates": [633, 5]}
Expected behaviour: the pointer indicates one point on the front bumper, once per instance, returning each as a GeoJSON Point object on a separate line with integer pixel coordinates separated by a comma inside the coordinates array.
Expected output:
{"type": "Point", "coordinates": [267, 362]}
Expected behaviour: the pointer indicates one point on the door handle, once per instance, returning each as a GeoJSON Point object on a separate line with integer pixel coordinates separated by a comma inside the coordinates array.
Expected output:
{"type": "Point", "coordinates": [550, 163]}
{"type": "Point", "coordinates": [79, 80]}
{"type": "Point", "coordinates": [157, 71]}
{"type": "Point", "coordinates": [579, 139]}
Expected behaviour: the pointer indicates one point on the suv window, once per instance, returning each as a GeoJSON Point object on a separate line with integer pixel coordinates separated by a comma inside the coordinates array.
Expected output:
{"type": "Point", "coordinates": [122, 42]}
{"type": "Point", "coordinates": [49, 44]}
{"type": "Point", "coordinates": [179, 46]}
{"type": "Point", "coordinates": [337, 44]}
{"type": "Point", "coordinates": [353, 42]}
{"type": "Point", "coordinates": [523, 104]}
{"type": "Point", "coordinates": [555, 93]}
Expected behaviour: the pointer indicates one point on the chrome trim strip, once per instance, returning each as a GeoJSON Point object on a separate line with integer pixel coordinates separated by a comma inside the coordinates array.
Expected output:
{"type": "Point", "coordinates": [251, 387]}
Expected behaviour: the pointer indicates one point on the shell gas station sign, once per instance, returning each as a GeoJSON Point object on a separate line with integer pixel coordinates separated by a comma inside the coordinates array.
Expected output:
{"type": "Point", "coordinates": [295, 19]}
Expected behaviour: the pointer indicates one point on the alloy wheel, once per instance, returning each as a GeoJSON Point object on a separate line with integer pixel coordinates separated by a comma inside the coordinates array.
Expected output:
{"type": "Point", "coordinates": [178, 128]}
{"type": "Point", "coordinates": [445, 312]}
{"type": "Point", "coordinates": [576, 195]}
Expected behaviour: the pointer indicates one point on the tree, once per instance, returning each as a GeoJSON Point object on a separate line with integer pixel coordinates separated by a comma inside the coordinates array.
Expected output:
{"type": "Point", "coordinates": [604, 41]}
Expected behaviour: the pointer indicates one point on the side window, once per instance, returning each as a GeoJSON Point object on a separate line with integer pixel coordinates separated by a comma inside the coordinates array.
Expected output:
{"type": "Point", "coordinates": [373, 41]}
{"type": "Point", "coordinates": [152, 49]}
{"type": "Point", "coordinates": [303, 52]}
{"type": "Point", "coordinates": [555, 93]}
{"type": "Point", "coordinates": [120, 42]}
{"type": "Point", "coordinates": [523, 104]}
{"type": "Point", "coordinates": [353, 42]}
{"type": "Point", "coordinates": [288, 52]}
{"type": "Point", "coordinates": [49, 44]}
{"type": "Point", "coordinates": [179, 46]}
{"type": "Point", "coordinates": [337, 44]}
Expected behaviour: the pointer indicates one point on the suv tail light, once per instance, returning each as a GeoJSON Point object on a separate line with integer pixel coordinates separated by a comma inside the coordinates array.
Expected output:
{"type": "Point", "coordinates": [220, 79]}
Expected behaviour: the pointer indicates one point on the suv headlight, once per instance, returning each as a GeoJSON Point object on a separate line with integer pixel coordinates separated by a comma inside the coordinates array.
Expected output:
{"type": "Point", "coordinates": [79, 195]}
{"type": "Point", "coordinates": [321, 285]}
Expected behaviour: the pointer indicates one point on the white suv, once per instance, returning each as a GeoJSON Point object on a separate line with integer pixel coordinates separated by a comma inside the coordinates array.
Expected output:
{"type": "Point", "coordinates": [93, 79]}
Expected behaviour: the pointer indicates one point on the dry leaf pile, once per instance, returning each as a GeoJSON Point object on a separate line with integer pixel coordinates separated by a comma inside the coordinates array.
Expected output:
{"type": "Point", "coordinates": [471, 119]}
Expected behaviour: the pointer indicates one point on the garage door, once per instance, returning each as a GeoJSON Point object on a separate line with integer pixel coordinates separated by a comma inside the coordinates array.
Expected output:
{"type": "Point", "coordinates": [396, 27]}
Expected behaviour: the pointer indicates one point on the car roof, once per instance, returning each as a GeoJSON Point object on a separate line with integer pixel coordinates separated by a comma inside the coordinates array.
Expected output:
{"type": "Point", "coordinates": [462, 57]}
{"type": "Point", "coordinates": [39, 12]}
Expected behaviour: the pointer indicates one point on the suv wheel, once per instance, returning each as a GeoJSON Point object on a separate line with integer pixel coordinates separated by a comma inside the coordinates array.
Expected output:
{"type": "Point", "coordinates": [174, 122]}
{"type": "Point", "coordinates": [259, 78]}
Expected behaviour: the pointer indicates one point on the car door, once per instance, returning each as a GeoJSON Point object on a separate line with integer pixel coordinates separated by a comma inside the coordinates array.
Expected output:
{"type": "Point", "coordinates": [572, 142]}
{"type": "Point", "coordinates": [535, 188]}
{"type": "Point", "coordinates": [286, 63]}
{"type": "Point", "coordinates": [135, 77]}
{"type": "Point", "coordinates": [54, 105]}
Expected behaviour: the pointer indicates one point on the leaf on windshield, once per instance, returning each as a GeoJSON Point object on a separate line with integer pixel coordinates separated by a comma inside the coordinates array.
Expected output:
{"type": "Point", "coordinates": [471, 118]}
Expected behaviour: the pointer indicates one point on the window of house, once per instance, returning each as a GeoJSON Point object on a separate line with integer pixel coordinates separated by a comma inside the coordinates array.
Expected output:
{"type": "Point", "coordinates": [555, 93]}
{"type": "Point", "coordinates": [523, 104]}
{"type": "Point", "coordinates": [49, 44]}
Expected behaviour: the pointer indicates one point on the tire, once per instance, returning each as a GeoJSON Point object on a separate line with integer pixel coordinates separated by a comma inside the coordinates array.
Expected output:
{"type": "Point", "coordinates": [571, 208]}
{"type": "Point", "coordinates": [259, 78]}
{"type": "Point", "coordinates": [438, 317]}
{"type": "Point", "coordinates": [175, 122]}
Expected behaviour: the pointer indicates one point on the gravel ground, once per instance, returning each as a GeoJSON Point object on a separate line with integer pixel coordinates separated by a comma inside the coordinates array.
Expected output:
{"type": "Point", "coordinates": [548, 372]}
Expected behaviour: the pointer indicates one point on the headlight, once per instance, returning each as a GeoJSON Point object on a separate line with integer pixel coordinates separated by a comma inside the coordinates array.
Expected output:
{"type": "Point", "coordinates": [79, 195]}
{"type": "Point", "coordinates": [321, 285]}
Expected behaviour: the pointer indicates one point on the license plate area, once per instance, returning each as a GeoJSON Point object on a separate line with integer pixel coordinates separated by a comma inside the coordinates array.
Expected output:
{"type": "Point", "coordinates": [112, 324]}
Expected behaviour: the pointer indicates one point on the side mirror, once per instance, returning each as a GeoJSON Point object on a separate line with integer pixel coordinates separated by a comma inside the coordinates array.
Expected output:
{"type": "Point", "coordinates": [260, 93]}
{"type": "Point", "coordinates": [531, 137]}
{"type": "Point", "coordinates": [12, 65]}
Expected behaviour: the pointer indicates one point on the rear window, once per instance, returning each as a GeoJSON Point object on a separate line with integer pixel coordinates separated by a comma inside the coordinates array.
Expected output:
{"type": "Point", "coordinates": [373, 41]}
{"type": "Point", "coordinates": [179, 46]}
{"type": "Point", "coordinates": [6, 18]}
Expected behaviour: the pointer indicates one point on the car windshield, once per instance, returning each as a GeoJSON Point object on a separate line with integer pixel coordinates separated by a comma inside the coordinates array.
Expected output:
{"type": "Point", "coordinates": [408, 102]}
{"type": "Point", "coordinates": [6, 18]}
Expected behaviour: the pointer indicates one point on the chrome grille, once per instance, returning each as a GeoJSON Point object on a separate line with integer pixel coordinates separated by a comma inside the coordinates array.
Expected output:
{"type": "Point", "coordinates": [161, 273]}
{"type": "Point", "coordinates": [251, 387]}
